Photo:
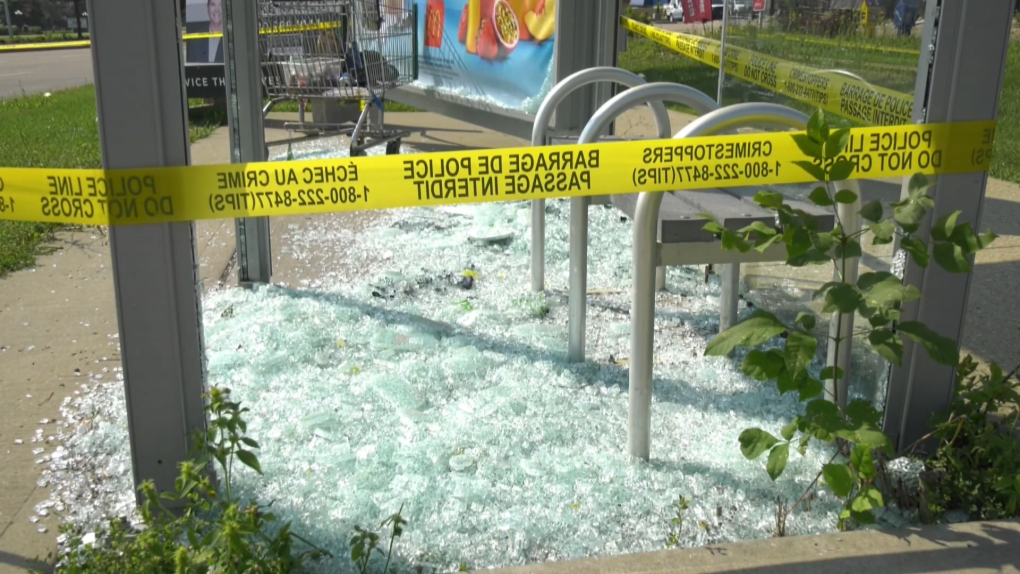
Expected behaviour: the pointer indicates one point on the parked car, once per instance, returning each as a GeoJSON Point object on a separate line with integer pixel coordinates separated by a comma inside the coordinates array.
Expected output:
{"type": "Point", "coordinates": [675, 11]}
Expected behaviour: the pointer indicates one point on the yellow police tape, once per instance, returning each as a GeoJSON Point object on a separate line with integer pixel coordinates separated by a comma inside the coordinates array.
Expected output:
{"type": "Point", "coordinates": [135, 196]}
{"type": "Point", "coordinates": [186, 37]}
{"type": "Point", "coordinates": [833, 92]}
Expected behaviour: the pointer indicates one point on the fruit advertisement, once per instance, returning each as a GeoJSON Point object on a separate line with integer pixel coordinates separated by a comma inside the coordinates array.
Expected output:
{"type": "Point", "coordinates": [497, 52]}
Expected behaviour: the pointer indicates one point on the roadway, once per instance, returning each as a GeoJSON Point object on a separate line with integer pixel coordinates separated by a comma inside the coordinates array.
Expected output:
{"type": "Point", "coordinates": [44, 71]}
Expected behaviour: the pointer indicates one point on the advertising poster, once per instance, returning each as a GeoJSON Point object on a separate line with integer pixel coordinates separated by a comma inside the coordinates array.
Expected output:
{"type": "Point", "coordinates": [496, 52]}
{"type": "Point", "coordinates": [203, 16]}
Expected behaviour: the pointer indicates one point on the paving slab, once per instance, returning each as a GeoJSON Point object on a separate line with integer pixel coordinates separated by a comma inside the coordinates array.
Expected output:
{"type": "Point", "coordinates": [971, 548]}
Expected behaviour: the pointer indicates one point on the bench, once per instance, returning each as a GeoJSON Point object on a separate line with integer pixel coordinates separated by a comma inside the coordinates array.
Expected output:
{"type": "Point", "coordinates": [682, 240]}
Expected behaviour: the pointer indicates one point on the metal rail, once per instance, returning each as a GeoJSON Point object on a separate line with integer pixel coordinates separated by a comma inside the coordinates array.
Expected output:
{"type": "Point", "coordinates": [539, 137]}
{"type": "Point", "coordinates": [655, 92]}
{"type": "Point", "coordinates": [646, 255]}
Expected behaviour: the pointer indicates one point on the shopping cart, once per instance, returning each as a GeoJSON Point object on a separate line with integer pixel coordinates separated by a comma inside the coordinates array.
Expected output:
{"type": "Point", "coordinates": [346, 51]}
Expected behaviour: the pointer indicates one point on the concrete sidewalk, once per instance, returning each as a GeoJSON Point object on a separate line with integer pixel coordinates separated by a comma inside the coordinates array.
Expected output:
{"type": "Point", "coordinates": [58, 324]}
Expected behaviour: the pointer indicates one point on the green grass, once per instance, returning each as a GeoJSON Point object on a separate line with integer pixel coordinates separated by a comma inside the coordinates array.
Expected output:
{"type": "Point", "coordinates": [39, 38]}
{"type": "Point", "coordinates": [56, 131]}
{"type": "Point", "coordinates": [893, 70]}
{"type": "Point", "coordinates": [1006, 154]}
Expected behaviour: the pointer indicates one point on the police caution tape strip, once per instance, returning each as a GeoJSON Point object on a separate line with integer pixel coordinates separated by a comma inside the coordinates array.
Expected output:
{"type": "Point", "coordinates": [135, 196]}
{"type": "Point", "coordinates": [835, 93]}
{"type": "Point", "coordinates": [186, 37]}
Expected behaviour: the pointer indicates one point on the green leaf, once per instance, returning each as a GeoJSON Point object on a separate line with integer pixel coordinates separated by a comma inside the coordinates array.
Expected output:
{"type": "Point", "coordinates": [762, 365]}
{"type": "Point", "coordinates": [860, 412]}
{"type": "Point", "coordinates": [918, 182]}
{"type": "Point", "coordinates": [760, 228]}
{"type": "Point", "coordinates": [909, 214]}
{"type": "Point", "coordinates": [823, 414]}
{"type": "Point", "coordinates": [883, 232]}
{"type": "Point", "coordinates": [828, 372]}
{"type": "Point", "coordinates": [249, 459]}
{"type": "Point", "coordinates": [872, 211]}
{"type": "Point", "coordinates": [809, 388]}
{"type": "Point", "coordinates": [888, 345]}
{"type": "Point", "coordinates": [731, 241]}
{"type": "Point", "coordinates": [941, 349]}
{"type": "Point", "coordinates": [808, 146]}
{"type": "Point", "coordinates": [836, 143]}
{"type": "Point", "coordinates": [883, 289]}
{"type": "Point", "coordinates": [917, 249]}
{"type": "Point", "coordinates": [787, 381]}
{"type": "Point", "coordinates": [813, 170]}
{"type": "Point", "coordinates": [249, 442]}
{"type": "Point", "coordinates": [806, 320]}
{"type": "Point", "coordinates": [755, 330]}
{"type": "Point", "coordinates": [845, 196]}
{"type": "Point", "coordinates": [863, 461]}
{"type": "Point", "coordinates": [820, 196]}
{"type": "Point", "coordinates": [817, 129]}
{"type": "Point", "coordinates": [777, 460]}
{"type": "Point", "coordinates": [871, 437]}
{"type": "Point", "coordinates": [821, 241]}
{"type": "Point", "coordinates": [712, 225]}
{"type": "Point", "coordinates": [789, 430]}
{"type": "Point", "coordinates": [849, 250]}
{"type": "Point", "coordinates": [764, 245]}
{"type": "Point", "coordinates": [768, 199]}
{"type": "Point", "coordinates": [841, 170]}
{"type": "Point", "coordinates": [754, 442]}
{"type": "Point", "coordinates": [838, 479]}
{"type": "Point", "coordinates": [950, 257]}
{"type": "Point", "coordinates": [943, 228]}
{"type": "Point", "coordinates": [800, 350]}
{"type": "Point", "coordinates": [841, 297]}
{"type": "Point", "coordinates": [867, 500]}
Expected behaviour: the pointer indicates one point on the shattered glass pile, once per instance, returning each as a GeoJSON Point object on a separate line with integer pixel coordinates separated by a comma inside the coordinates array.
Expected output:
{"type": "Point", "coordinates": [432, 378]}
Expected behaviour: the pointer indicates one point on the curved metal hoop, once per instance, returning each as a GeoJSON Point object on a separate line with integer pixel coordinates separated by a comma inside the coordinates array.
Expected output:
{"type": "Point", "coordinates": [647, 93]}
{"type": "Point", "coordinates": [559, 92]}
{"type": "Point", "coordinates": [644, 255]}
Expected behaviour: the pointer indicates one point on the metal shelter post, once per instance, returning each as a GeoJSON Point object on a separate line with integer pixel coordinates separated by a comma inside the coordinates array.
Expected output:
{"type": "Point", "coordinates": [143, 123]}
{"type": "Point", "coordinates": [959, 79]}
{"type": "Point", "coordinates": [586, 39]}
{"type": "Point", "coordinates": [243, 76]}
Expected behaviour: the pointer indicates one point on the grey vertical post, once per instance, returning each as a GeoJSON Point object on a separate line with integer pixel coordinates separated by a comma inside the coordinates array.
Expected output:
{"type": "Point", "coordinates": [243, 75]}
{"type": "Point", "coordinates": [722, 50]}
{"type": "Point", "coordinates": [7, 22]}
{"type": "Point", "coordinates": [143, 123]}
{"type": "Point", "coordinates": [587, 39]}
{"type": "Point", "coordinates": [729, 274]}
{"type": "Point", "coordinates": [960, 77]}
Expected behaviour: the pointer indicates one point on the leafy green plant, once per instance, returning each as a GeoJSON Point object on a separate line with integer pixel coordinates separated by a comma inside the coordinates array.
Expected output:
{"type": "Point", "coordinates": [676, 524]}
{"type": "Point", "coordinates": [977, 460]}
{"type": "Point", "coordinates": [853, 430]}
{"type": "Point", "coordinates": [203, 532]}
{"type": "Point", "coordinates": [365, 542]}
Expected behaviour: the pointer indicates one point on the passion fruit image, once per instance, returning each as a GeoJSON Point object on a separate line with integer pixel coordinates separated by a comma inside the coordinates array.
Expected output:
{"type": "Point", "coordinates": [506, 25]}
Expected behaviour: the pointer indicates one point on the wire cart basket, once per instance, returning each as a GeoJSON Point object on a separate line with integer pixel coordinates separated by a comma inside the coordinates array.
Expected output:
{"type": "Point", "coordinates": [340, 50]}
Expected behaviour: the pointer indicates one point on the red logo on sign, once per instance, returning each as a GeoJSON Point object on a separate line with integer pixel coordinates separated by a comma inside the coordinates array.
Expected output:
{"type": "Point", "coordinates": [435, 11]}
{"type": "Point", "coordinates": [697, 11]}
{"type": "Point", "coordinates": [759, 6]}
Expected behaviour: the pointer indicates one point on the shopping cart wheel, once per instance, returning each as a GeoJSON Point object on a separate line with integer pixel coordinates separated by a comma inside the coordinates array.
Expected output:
{"type": "Point", "coordinates": [393, 147]}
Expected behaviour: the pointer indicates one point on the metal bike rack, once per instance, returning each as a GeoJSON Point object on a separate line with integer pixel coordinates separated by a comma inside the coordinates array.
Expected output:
{"type": "Point", "coordinates": [540, 132]}
{"type": "Point", "coordinates": [647, 255]}
{"type": "Point", "coordinates": [655, 92]}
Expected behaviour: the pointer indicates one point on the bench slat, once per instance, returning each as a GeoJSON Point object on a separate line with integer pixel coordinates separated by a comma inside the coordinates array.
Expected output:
{"type": "Point", "coordinates": [731, 212]}
{"type": "Point", "coordinates": [826, 219]}
{"type": "Point", "coordinates": [679, 221]}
